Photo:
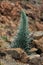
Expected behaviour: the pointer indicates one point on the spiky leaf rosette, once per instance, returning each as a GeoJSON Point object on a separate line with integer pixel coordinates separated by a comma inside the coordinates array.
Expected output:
{"type": "Point", "coordinates": [22, 40]}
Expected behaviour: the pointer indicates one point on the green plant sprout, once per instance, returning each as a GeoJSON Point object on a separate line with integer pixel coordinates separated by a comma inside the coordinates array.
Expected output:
{"type": "Point", "coordinates": [23, 40]}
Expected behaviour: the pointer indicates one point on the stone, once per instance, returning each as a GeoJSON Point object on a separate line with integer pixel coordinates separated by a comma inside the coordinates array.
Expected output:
{"type": "Point", "coordinates": [39, 43]}
{"type": "Point", "coordinates": [39, 26]}
{"type": "Point", "coordinates": [34, 56]}
{"type": "Point", "coordinates": [33, 50]}
{"type": "Point", "coordinates": [36, 61]}
{"type": "Point", "coordinates": [37, 34]}
{"type": "Point", "coordinates": [17, 54]}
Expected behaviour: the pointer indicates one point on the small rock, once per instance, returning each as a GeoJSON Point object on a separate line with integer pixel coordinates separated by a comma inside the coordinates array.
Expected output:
{"type": "Point", "coordinates": [18, 54]}
{"type": "Point", "coordinates": [36, 61]}
{"type": "Point", "coordinates": [34, 56]}
{"type": "Point", "coordinates": [39, 43]}
{"type": "Point", "coordinates": [33, 50]}
{"type": "Point", "coordinates": [37, 34]}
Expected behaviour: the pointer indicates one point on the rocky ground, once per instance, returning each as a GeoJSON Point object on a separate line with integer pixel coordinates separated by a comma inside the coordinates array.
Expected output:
{"type": "Point", "coordinates": [9, 22]}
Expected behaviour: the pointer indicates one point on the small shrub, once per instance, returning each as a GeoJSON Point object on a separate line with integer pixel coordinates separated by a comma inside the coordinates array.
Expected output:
{"type": "Point", "coordinates": [23, 39]}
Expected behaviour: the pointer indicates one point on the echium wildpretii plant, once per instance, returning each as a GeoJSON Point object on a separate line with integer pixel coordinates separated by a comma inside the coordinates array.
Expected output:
{"type": "Point", "coordinates": [23, 39]}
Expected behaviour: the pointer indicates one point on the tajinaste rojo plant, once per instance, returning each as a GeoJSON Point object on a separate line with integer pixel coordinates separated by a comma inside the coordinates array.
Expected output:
{"type": "Point", "coordinates": [23, 39]}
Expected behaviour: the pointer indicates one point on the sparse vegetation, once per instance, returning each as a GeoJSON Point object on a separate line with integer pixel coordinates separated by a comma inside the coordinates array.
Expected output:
{"type": "Point", "coordinates": [4, 38]}
{"type": "Point", "coordinates": [9, 21]}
